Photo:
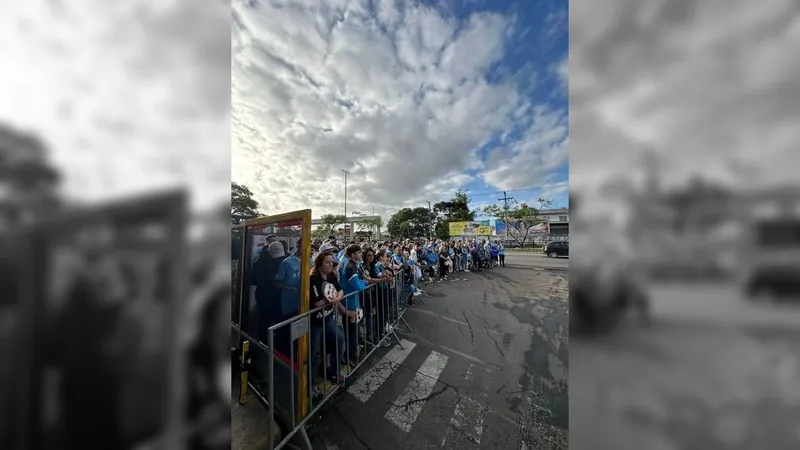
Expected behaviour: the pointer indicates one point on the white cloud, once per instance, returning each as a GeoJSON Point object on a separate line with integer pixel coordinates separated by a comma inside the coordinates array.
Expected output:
{"type": "Point", "coordinates": [541, 151]}
{"type": "Point", "coordinates": [401, 100]}
{"type": "Point", "coordinates": [129, 96]}
{"type": "Point", "coordinates": [699, 84]}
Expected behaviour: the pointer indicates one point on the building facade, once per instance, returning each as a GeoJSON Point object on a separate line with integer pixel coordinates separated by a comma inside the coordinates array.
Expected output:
{"type": "Point", "coordinates": [557, 219]}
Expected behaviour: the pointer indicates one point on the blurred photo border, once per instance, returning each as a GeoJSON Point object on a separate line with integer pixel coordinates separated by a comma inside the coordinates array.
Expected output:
{"type": "Point", "coordinates": [170, 208]}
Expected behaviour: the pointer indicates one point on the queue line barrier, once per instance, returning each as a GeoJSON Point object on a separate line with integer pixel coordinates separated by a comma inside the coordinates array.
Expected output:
{"type": "Point", "coordinates": [295, 366]}
{"type": "Point", "coordinates": [338, 348]}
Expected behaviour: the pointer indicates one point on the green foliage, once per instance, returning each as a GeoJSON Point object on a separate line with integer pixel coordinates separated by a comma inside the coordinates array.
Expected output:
{"type": "Point", "coordinates": [330, 222]}
{"type": "Point", "coordinates": [411, 223]}
{"type": "Point", "coordinates": [454, 210]}
{"type": "Point", "coordinates": [242, 201]}
{"type": "Point", "coordinates": [442, 229]}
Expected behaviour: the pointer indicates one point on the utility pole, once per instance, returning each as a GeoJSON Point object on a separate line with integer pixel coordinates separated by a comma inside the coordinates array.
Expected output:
{"type": "Point", "coordinates": [346, 173]}
{"type": "Point", "coordinates": [505, 200]}
{"type": "Point", "coordinates": [429, 225]}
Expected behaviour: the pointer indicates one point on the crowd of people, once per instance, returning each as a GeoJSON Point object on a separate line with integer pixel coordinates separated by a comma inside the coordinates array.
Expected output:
{"type": "Point", "coordinates": [356, 290]}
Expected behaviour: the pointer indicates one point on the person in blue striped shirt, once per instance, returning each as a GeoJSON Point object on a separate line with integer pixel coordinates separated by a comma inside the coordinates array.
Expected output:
{"type": "Point", "coordinates": [352, 285]}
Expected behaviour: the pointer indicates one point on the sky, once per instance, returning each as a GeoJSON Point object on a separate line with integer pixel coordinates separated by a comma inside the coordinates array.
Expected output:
{"type": "Point", "coordinates": [414, 99]}
{"type": "Point", "coordinates": [709, 88]}
{"type": "Point", "coordinates": [129, 97]}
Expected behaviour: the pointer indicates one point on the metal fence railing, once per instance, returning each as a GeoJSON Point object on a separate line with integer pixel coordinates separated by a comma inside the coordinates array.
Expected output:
{"type": "Point", "coordinates": [294, 384]}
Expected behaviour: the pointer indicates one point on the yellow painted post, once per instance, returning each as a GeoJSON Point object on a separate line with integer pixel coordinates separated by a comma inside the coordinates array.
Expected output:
{"type": "Point", "coordinates": [244, 368]}
{"type": "Point", "coordinates": [304, 216]}
{"type": "Point", "coordinates": [305, 284]}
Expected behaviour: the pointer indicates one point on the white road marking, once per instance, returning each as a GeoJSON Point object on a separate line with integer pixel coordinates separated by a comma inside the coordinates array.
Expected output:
{"type": "Point", "coordinates": [484, 365]}
{"type": "Point", "coordinates": [467, 421]}
{"type": "Point", "coordinates": [371, 381]}
{"type": "Point", "coordinates": [406, 408]}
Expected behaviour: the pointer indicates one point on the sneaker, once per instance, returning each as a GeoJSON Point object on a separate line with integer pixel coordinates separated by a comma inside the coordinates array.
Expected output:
{"type": "Point", "coordinates": [339, 379]}
{"type": "Point", "coordinates": [417, 293]}
{"type": "Point", "coordinates": [387, 343]}
{"type": "Point", "coordinates": [466, 270]}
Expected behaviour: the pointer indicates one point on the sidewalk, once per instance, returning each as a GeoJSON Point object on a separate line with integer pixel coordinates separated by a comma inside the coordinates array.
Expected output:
{"type": "Point", "coordinates": [249, 422]}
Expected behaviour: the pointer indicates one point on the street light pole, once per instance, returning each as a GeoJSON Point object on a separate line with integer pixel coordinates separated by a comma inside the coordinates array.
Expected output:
{"type": "Point", "coordinates": [346, 173]}
{"type": "Point", "coordinates": [429, 225]}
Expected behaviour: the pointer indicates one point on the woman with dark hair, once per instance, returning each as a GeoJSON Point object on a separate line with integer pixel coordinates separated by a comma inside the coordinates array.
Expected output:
{"type": "Point", "coordinates": [326, 293]}
{"type": "Point", "coordinates": [374, 307]}
{"type": "Point", "coordinates": [444, 254]}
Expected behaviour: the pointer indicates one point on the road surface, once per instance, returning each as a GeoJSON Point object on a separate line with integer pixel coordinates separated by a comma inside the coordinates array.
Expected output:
{"type": "Point", "coordinates": [713, 371]}
{"type": "Point", "coordinates": [536, 260]}
{"type": "Point", "coordinates": [486, 367]}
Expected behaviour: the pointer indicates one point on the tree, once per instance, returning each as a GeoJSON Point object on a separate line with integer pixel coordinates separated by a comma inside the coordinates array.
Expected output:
{"type": "Point", "coordinates": [372, 225]}
{"type": "Point", "coordinates": [410, 223]}
{"type": "Point", "coordinates": [454, 210]}
{"type": "Point", "coordinates": [242, 201]}
{"type": "Point", "coordinates": [330, 223]}
{"type": "Point", "coordinates": [520, 219]}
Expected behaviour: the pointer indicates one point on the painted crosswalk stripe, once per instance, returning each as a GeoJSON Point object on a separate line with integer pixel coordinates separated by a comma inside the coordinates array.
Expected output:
{"type": "Point", "coordinates": [407, 407]}
{"type": "Point", "coordinates": [371, 381]}
{"type": "Point", "coordinates": [468, 415]}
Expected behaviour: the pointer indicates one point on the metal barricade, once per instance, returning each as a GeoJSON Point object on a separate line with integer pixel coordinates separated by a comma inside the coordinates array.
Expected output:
{"type": "Point", "coordinates": [300, 363]}
{"type": "Point", "coordinates": [341, 339]}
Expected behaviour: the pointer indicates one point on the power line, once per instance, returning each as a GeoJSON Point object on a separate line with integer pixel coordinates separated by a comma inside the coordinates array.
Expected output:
{"type": "Point", "coordinates": [476, 194]}
{"type": "Point", "coordinates": [505, 200]}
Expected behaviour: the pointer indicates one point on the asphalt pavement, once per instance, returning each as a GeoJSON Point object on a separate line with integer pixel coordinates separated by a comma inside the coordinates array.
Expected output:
{"type": "Point", "coordinates": [484, 366]}
{"type": "Point", "coordinates": [536, 260]}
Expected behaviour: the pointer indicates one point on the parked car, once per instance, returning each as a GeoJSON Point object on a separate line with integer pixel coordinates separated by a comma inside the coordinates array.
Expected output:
{"type": "Point", "coordinates": [769, 269]}
{"type": "Point", "coordinates": [607, 285]}
{"type": "Point", "coordinates": [556, 249]}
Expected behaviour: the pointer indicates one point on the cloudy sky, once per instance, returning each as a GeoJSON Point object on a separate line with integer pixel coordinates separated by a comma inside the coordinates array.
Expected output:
{"type": "Point", "coordinates": [129, 96]}
{"type": "Point", "coordinates": [414, 99]}
{"type": "Point", "coordinates": [709, 88]}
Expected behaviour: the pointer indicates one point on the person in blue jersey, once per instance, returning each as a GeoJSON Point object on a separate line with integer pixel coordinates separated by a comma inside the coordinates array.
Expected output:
{"type": "Point", "coordinates": [494, 253]}
{"type": "Point", "coordinates": [353, 284]}
{"type": "Point", "coordinates": [288, 282]}
{"type": "Point", "coordinates": [397, 255]}
{"type": "Point", "coordinates": [432, 260]}
{"type": "Point", "coordinates": [340, 256]}
{"type": "Point", "coordinates": [501, 254]}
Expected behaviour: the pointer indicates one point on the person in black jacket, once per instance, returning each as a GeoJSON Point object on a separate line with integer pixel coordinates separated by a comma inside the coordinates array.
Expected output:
{"type": "Point", "coordinates": [89, 388]}
{"type": "Point", "coordinates": [265, 269]}
{"type": "Point", "coordinates": [326, 293]}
